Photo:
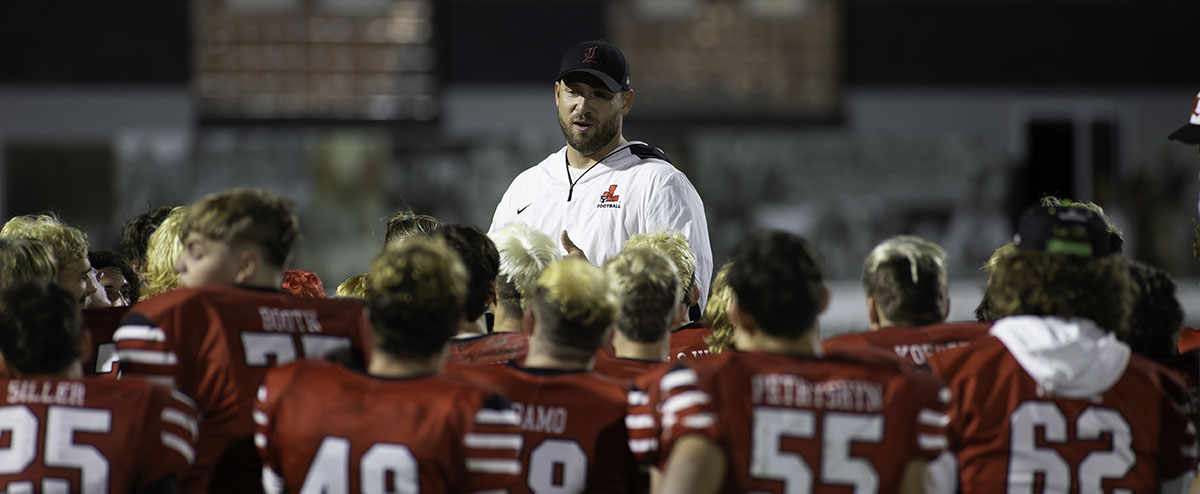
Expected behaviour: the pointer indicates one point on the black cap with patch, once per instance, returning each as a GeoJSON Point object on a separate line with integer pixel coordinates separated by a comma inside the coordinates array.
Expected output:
{"type": "Point", "coordinates": [598, 58]}
{"type": "Point", "coordinates": [1069, 230]}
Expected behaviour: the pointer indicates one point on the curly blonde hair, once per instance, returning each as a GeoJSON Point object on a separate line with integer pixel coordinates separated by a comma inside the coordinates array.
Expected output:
{"type": "Point", "coordinates": [1029, 282]}
{"type": "Point", "coordinates": [675, 246]}
{"type": "Point", "coordinates": [645, 284]}
{"type": "Point", "coordinates": [25, 260]}
{"type": "Point", "coordinates": [354, 287]}
{"type": "Point", "coordinates": [68, 244]}
{"type": "Point", "coordinates": [416, 292]}
{"type": "Point", "coordinates": [716, 313]}
{"type": "Point", "coordinates": [163, 250]}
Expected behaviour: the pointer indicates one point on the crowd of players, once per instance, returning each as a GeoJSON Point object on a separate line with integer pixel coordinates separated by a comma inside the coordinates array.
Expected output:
{"type": "Point", "coordinates": [465, 362]}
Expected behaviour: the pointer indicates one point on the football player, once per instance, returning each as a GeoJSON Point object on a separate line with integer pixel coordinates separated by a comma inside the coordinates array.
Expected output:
{"type": "Point", "coordinates": [524, 253]}
{"type": "Point", "coordinates": [70, 248]}
{"type": "Point", "coordinates": [215, 338]}
{"type": "Point", "coordinates": [648, 291]}
{"type": "Point", "coordinates": [1052, 400]}
{"type": "Point", "coordinates": [573, 420]}
{"type": "Point", "coordinates": [400, 427]}
{"type": "Point", "coordinates": [777, 416]}
{"type": "Point", "coordinates": [907, 303]}
{"type": "Point", "coordinates": [687, 336]}
{"type": "Point", "coordinates": [68, 433]}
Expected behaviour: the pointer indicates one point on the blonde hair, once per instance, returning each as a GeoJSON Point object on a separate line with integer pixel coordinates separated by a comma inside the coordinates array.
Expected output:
{"type": "Point", "coordinates": [162, 252]}
{"type": "Point", "coordinates": [254, 216]}
{"type": "Point", "coordinates": [416, 291]}
{"type": "Point", "coordinates": [984, 311]}
{"type": "Point", "coordinates": [407, 223]}
{"type": "Point", "coordinates": [645, 284]}
{"type": "Point", "coordinates": [68, 244]}
{"type": "Point", "coordinates": [574, 307]}
{"type": "Point", "coordinates": [675, 246]}
{"type": "Point", "coordinates": [716, 312]}
{"type": "Point", "coordinates": [25, 260]}
{"type": "Point", "coordinates": [906, 276]}
{"type": "Point", "coordinates": [1039, 283]}
{"type": "Point", "coordinates": [354, 286]}
{"type": "Point", "coordinates": [524, 252]}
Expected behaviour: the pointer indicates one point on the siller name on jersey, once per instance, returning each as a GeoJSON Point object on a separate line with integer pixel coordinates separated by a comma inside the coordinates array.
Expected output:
{"type": "Point", "coordinates": [289, 320]}
{"type": "Point", "coordinates": [537, 418]}
{"type": "Point", "coordinates": [59, 393]}
{"type": "Point", "coordinates": [785, 390]}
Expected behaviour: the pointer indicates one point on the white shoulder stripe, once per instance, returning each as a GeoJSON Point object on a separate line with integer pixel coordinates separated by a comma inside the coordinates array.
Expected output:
{"type": "Point", "coordinates": [139, 332]}
{"type": "Point", "coordinates": [173, 416]}
{"type": "Point", "coordinates": [638, 398]}
{"type": "Point", "coordinates": [180, 446]}
{"type": "Point", "coordinates": [493, 441]}
{"type": "Point", "coordinates": [260, 418]}
{"type": "Point", "coordinates": [260, 440]}
{"type": "Point", "coordinates": [187, 400]}
{"type": "Point", "coordinates": [497, 417]}
{"type": "Point", "coordinates": [932, 442]}
{"type": "Point", "coordinates": [481, 465]}
{"type": "Point", "coordinates": [933, 418]}
{"type": "Point", "coordinates": [698, 420]}
{"type": "Point", "coordinates": [150, 357]}
{"type": "Point", "coordinates": [683, 401]}
{"type": "Point", "coordinates": [262, 393]}
{"type": "Point", "coordinates": [643, 445]}
{"type": "Point", "coordinates": [639, 421]}
{"type": "Point", "coordinates": [677, 378]}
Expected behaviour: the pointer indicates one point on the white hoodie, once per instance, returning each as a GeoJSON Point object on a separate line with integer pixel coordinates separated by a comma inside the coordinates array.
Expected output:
{"type": "Point", "coordinates": [1072, 358]}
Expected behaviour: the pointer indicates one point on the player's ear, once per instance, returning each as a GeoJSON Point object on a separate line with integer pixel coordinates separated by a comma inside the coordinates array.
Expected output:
{"type": "Point", "coordinates": [626, 101]}
{"type": "Point", "coordinates": [248, 264]}
{"type": "Point", "coordinates": [556, 89]}
{"type": "Point", "coordinates": [872, 313]}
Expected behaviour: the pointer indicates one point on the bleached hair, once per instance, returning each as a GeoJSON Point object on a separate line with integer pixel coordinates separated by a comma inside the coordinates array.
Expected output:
{"type": "Point", "coordinates": [915, 250]}
{"type": "Point", "coordinates": [69, 244]}
{"type": "Point", "coordinates": [675, 246]}
{"type": "Point", "coordinates": [646, 285]}
{"type": "Point", "coordinates": [524, 252]}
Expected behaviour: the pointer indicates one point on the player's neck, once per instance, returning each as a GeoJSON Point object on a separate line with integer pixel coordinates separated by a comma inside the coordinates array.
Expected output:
{"type": "Point", "coordinates": [269, 278]}
{"type": "Point", "coordinates": [539, 356]}
{"type": "Point", "coordinates": [626, 348]}
{"type": "Point", "coordinates": [386, 365]}
{"type": "Point", "coordinates": [760, 341]}
{"type": "Point", "coordinates": [72, 371]}
{"type": "Point", "coordinates": [505, 322]}
{"type": "Point", "coordinates": [580, 161]}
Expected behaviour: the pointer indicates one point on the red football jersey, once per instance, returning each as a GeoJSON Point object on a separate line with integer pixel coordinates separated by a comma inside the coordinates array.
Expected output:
{"type": "Point", "coordinates": [806, 424]}
{"type": "Point", "coordinates": [93, 435]}
{"type": "Point", "coordinates": [491, 348]}
{"type": "Point", "coordinates": [216, 344]}
{"type": "Point", "coordinates": [325, 428]}
{"type": "Point", "coordinates": [912, 344]}
{"type": "Point", "coordinates": [1005, 430]}
{"type": "Point", "coordinates": [688, 342]}
{"type": "Point", "coordinates": [623, 369]}
{"type": "Point", "coordinates": [574, 428]}
{"type": "Point", "coordinates": [101, 324]}
{"type": "Point", "coordinates": [1189, 339]}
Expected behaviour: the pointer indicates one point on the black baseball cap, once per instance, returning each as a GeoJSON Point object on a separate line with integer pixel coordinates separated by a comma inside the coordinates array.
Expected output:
{"type": "Point", "coordinates": [598, 58]}
{"type": "Point", "coordinates": [1072, 230]}
{"type": "Point", "coordinates": [1190, 133]}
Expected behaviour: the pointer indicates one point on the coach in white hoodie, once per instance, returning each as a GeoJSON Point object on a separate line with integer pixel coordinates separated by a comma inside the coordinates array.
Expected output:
{"type": "Point", "coordinates": [1052, 398]}
{"type": "Point", "coordinates": [600, 187]}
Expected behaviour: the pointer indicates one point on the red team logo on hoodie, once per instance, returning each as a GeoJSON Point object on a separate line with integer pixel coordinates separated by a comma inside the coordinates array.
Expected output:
{"type": "Point", "coordinates": [609, 198]}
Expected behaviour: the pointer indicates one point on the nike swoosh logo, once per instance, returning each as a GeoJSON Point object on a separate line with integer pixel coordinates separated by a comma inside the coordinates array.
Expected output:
{"type": "Point", "coordinates": [519, 211]}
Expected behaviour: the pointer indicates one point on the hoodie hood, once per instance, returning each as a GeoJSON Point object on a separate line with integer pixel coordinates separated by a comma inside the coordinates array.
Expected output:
{"type": "Point", "coordinates": [1072, 358]}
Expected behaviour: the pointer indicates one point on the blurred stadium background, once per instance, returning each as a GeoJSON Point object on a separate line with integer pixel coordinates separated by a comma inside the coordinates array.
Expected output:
{"type": "Point", "coordinates": [845, 120]}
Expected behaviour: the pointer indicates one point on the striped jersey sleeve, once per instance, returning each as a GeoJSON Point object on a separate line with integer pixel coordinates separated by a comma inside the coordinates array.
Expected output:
{"type": "Point", "coordinates": [492, 447]}
{"type": "Point", "coordinates": [686, 408]}
{"type": "Point", "coordinates": [266, 402]}
{"type": "Point", "coordinates": [643, 420]}
{"type": "Point", "coordinates": [933, 419]}
{"type": "Point", "coordinates": [171, 436]}
{"type": "Point", "coordinates": [144, 350]}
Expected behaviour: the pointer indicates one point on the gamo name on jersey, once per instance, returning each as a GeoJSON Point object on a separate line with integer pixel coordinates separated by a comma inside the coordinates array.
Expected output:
{"type": "Point", "coordinates": [60, 393]}
{"type": "Point", "coordinates": [792, 391]}
{"type": "Point", "coordinates": [552, 420]}
{"type": "Point", "coordinates": [289, 320]}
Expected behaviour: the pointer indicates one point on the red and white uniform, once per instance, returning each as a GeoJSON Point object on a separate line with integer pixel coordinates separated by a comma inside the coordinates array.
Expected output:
{"type": "Point", "coordinates": [573, 423]}
{"type": "Point", "coordinates": [92, 435]}
{"type": "Point", "coordinates": [1062, 406]}
{"type": "Point", "coordinates": [101, 324]}
{"type": "Point", "coordinates": [623, 369]}
{"type": "Point", "coordinates": [215, 344]}
{"type": "Point", "coordinates": [325, 428]}
{"type": "Point", "coordinates": [688, 342]}
{"type": "Point", "coordinates": [913, 344]}
{"type": "Point", "coordinates": [805, 424]}
{"type": "Point", "coordinates": [491, 348]}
